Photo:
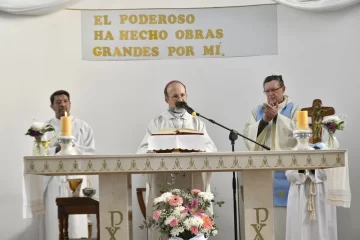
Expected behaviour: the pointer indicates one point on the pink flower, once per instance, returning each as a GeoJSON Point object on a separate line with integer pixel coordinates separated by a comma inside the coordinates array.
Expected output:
{"type": "Point", "coordinates": [156, 215]}
{"type": "Point", "coordinates": [174, 222]}
{"type": "Point", "coordinates": [207, 222]}
{"type": "Point", "coordinates": [193, 210]}
{"type": "Point", "coordinates": [175, 201]}
{"type": "Point", "coordinates": [194, 230]}
{"type": "Point", "coordinates": [195, 191]}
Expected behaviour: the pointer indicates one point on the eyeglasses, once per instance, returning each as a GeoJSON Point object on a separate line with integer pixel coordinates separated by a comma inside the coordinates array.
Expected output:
{"type": "Point", "coordinates": [271, 90]}
{"type": "Point", "coordinates": [176, 97]}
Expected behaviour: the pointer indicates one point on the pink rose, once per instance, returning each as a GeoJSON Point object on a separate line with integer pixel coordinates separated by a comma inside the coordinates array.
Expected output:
{"type": "Point", "coordinates": [195, 191]}
{"type": "Point", "coordinates": [194, 230]}
{"type": "Point", "coordinates": [174, 222]}
{"type": "Point", "coordinates": [156, 215]}
{"type": "Point", "coordinates": [175, 201]}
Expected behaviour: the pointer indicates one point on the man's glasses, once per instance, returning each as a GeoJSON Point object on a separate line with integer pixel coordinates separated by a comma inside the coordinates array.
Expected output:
{"type": "Point", "coordinates": [177, 97]}
{"type": "Point", "coordinates": [271, 90]}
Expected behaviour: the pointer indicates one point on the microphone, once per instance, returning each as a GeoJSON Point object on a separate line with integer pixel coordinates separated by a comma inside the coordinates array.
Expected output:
{"type": "Point", "coordinates": [187, 108]}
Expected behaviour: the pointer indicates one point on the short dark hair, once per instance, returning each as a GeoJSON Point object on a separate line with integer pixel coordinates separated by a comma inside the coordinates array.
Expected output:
{"type": "Point", "coordinates": [57, 93]}
{"type": "Point", "coordinates": [169, 83]}
{"type": "Point", "coordinates": [274, 77]}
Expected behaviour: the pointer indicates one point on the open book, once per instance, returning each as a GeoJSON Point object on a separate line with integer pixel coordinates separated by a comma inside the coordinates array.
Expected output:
{"type": "Point", "coordinates": [171, 131]}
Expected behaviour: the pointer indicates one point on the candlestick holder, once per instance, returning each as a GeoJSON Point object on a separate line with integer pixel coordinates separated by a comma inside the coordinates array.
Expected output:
{"type": "Point", "coordinates": [302, 137]}
{"type": "Point", "coordinates": [67, 146]}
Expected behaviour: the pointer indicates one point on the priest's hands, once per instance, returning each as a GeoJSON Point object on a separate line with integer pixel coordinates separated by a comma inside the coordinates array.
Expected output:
{"type": "Point", "coordinates": [270, 111]}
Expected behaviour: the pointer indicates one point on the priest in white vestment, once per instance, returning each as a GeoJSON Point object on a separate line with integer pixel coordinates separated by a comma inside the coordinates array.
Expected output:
{"type": "Point", "coordinates": [272, 124]}
{"type": "Point", "coordinates": [174, 117]}
{"type": "Point", "coordinates": [84, 144]}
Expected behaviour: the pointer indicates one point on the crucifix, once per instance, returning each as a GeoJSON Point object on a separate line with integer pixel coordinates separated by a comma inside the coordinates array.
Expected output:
{"type": "Point", "coordinates": [317, 113]}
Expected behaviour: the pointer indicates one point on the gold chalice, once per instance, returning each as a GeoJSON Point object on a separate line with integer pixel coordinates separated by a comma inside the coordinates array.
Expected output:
{"type": "Point", "coordinates": [75, 185]}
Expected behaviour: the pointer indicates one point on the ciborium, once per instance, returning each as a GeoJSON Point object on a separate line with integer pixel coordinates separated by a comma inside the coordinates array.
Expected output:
{"type": "Point", "coordinates": [75, 186]}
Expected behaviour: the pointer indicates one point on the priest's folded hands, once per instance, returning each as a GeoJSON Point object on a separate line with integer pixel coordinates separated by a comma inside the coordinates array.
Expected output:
{"type": "Point", "coordinates": [270, 111]}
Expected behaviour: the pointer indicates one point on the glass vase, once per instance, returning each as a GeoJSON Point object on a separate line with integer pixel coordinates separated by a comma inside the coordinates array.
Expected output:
{"type": "Point", "coordinates": [332, 142]}
{"type": "Point", "coordinates": [39, 149]}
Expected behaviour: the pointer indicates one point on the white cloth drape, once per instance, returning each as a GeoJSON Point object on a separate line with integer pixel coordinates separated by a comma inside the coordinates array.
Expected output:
{"type": "Point", "coordinates": [318, 5]}
{"type": "Point", "coordinates": [338, 184]}
{"type": "Point", "coordinates": [34, 7]}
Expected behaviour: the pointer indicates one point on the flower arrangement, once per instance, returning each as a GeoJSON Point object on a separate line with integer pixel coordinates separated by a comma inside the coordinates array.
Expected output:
{"type": "Point", "coordinates": [37, 130]}
{"type": "Point", "coordinates": [184, 214]}
{"type": "Point", "coordinates": [331, 124]}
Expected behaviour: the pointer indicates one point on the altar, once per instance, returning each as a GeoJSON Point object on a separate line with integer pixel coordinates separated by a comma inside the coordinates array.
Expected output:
{"type": "Point", "coordinates": [256, 170]}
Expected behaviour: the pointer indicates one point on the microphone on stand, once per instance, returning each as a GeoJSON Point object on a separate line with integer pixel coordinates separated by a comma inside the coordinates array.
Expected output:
{"type": "Point", "coordinates": [191, 111]}
{"type": "Point", "coordinates": [187, 108]}
{"type": "Point", "coordinates": [233, 136]}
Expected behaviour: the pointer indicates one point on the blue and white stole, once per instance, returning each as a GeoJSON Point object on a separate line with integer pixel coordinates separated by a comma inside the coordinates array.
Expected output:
{"type": "Point", "coordinates": [281, 184]}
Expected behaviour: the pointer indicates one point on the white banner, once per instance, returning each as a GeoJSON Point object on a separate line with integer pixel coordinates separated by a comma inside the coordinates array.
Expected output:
{"type": "Point", "coordinates": [179, 33]}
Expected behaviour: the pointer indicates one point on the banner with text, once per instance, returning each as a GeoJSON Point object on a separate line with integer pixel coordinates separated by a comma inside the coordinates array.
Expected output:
{"type": "Point", "coordinates": [179, 33]}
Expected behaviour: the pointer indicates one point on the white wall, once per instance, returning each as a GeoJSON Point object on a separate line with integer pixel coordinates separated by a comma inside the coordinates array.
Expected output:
{"type": "Point", "coordinates": [318, 58]}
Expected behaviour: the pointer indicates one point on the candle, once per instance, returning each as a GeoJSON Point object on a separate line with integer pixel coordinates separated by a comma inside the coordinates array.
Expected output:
{"type": "Point", "coordinates": [65, 125]}
{"type": "Point", "coordinates": [302, 120]}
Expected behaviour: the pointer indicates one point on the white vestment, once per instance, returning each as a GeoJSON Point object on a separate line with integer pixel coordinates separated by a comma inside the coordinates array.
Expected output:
{"type": "Point", "coordinates": [309, 216]}
{"type": "Point", "coordinates": [277, 136]}
{"type": "Point", "coordinates": [85, 145]}
{"type": "Point", "coordinates": [200, 181]}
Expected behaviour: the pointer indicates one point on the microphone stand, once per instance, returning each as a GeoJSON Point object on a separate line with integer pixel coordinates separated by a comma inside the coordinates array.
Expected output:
{"type": "Point", "coordinates": [233, 137]}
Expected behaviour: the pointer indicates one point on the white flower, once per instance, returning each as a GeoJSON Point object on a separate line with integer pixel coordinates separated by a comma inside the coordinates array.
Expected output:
{"type": "Point", "coordinates": [207, 196]}
{"type": "Point", "coordinates": [158, 200]}
{"type": "Point", "coordinates": [193, 221]}
{"type": "Point", "coordinates": [166, 196]}
{"type": "Point", "coordinates": [183, 216]}
{"type": "Point", "coordinates": [176, 231]}
{"type": "Point", "coordinates": [169, 219]}
{"type": "Point", "coordinates": [177, 211]}
{"type": "Point", "coordinates": [215, 232]}
{"type": "Point", "coordinates": [37, 126]}
{"type": "Point", "coordinates": [176, 191]}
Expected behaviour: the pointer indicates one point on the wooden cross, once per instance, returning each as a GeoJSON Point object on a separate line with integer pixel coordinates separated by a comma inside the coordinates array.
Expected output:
{"type": "Point", "coordinates": [317, 113]}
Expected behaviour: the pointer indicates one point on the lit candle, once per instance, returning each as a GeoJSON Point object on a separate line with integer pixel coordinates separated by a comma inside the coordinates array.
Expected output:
{"type": "Point", "coordinates": [65, 125]}
{"type": "Point", "coordinates": [302, 120]}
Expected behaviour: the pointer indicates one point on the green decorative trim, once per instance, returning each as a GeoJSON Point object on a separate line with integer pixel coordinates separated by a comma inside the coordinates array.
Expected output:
{"type": "Point", "coordinates": [90, 167]}
{"type": "Point", "coordinates": [61, 167]}
{"type": "Point", "coordinates": [32, 167]}
{"type": "Point", "coordinates": [192, 164]}
{"type": "Point", "coordinates": [294, 162]}
{"type": "Point", "coordinates": [148, 165]}
{"type": "Point", "coordinates": [104, 167]}
{"type": "Point", "coordinates": [265, 163]}
{"type": "Point", "coordinates": [177, 165]}
{"type": "Point", "coordinates": [279, 163]}
{"type": "Point", "coordinates": [323, 162]}
{"type": "Point", "coordinates": [250, 163]}
{"type": "Point", "coordinates": [133, 165]}
{"type": "Point", "coordinates": [309, 162]}
{"type": "Point", "coordinates": [162, 165]}
{"type": "Point", "coordinates": [46, 167]}
{"type": "Point", "coordinates": [75, 167]}
{"type": "Point", "coordinates": [221, 164]}
{"type": "Point", "coordinates": [236, 163]}
{"type": "Point", "coordinates": [119, 166]}
{"type": "Point", "coordinates": [206, 164]}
